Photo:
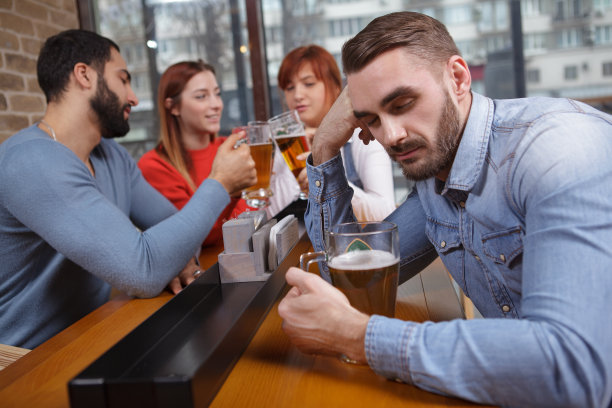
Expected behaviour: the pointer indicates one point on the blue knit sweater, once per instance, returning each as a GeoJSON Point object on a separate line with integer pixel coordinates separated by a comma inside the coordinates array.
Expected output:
{"type": "Point", "coordinates": [66, 237]}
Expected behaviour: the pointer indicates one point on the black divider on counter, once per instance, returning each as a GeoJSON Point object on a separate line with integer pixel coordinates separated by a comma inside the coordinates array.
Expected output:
{"type": "Point", "coordinates": [181, 355]}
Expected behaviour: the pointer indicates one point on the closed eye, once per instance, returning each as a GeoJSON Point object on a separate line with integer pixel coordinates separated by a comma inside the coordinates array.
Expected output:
{"type": "Point", "coordinates": [371, 121]}
{"type": "Point", "coordinates": [402, 107]}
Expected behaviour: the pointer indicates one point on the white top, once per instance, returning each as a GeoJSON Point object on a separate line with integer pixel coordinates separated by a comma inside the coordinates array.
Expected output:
{"type": "Point", "coordinates": [373, 166]}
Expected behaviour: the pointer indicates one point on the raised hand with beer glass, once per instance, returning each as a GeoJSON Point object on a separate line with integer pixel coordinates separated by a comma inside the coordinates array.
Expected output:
{"type": "Point", "coordinates": [363, 261]}
{"type": "Point", "coordinates": [290, 136]}
{"type": "Point", "coordinates": [259, 139]}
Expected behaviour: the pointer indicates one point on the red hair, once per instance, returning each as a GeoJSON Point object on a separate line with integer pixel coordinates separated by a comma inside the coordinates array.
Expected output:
{"type": "Point", "coordinates": [323, 66]}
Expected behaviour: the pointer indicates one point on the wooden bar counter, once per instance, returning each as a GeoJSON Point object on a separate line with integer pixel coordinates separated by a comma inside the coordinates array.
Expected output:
{"type": "Point", "coordinates": [271, 372]}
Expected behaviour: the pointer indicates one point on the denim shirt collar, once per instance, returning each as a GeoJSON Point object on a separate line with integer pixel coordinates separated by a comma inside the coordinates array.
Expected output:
{"type": "Point", "coordinates": [472, 150]}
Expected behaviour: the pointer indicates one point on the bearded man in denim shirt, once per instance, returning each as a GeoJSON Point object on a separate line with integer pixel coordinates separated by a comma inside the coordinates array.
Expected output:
{"type": "Point", "coordinates": [515, 197]}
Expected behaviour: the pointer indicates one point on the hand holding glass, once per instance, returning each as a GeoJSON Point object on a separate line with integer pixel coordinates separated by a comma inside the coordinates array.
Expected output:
{"type": "Point", "coordinates": [259, 139]}
{"type": "Point", "coordinates": [363, 261]}
{"type": "Point", "coordinates": [290, 136]}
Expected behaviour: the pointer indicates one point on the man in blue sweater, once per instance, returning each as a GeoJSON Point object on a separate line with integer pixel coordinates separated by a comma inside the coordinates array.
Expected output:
{"type": "Point", "coordinates": [76, 216]}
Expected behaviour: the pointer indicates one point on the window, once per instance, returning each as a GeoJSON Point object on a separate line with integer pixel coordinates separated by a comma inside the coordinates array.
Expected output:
{"type": "Point", "coordinates": [457, 15]}
{"type": "Point", "coordinates": [532, 76]}
{"type": "Point", "coordinates": [215, 30]}
{"type": "Point", "coordinates": [188, 29]}
{"type": "Point", "coordinates": [501, 15]}
{"type": "Point", "coordinates": [431, 12]}
{"type": "Point", "coordinates": [570, 72]}
{"type": "Point", "coordinates": [569, 38]}
{"type": "Point", "coordinates": [534, 42]}
{"type": "Point", "coordinates": [485, 16]}
{"type": "Point", "coordinates": [531, 8]}
{"type": "Point", "coordinates": [467, 49]}
{"type": "Point", "coordinates": [602, 5]}
{"type": "Point", "coordinates": [603, 34]}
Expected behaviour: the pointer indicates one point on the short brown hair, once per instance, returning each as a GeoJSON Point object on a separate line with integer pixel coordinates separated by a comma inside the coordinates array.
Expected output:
{"type": "Point", "coordinates": [419, 34]}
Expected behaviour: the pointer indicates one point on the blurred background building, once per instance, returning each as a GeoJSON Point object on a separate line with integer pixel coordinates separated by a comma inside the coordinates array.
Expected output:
{"type": "Point", "coordinates": [515, 48]}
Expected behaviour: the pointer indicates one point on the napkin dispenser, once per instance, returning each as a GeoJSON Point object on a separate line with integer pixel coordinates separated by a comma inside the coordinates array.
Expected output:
{"type": "Point", "coordinates": [254, 247]}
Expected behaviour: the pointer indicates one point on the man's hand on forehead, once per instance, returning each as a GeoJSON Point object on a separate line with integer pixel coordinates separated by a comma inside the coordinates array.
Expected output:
{"type": "Point", "coordinates": [335, 130]}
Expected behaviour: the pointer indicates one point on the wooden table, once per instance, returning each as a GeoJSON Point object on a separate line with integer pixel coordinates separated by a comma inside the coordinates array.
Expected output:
{"type": "Point", "coordinates": [271, 372]}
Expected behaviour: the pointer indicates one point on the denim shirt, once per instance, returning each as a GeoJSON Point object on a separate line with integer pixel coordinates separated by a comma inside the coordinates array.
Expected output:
{"type": "Point", "coordinates": [524, 225]}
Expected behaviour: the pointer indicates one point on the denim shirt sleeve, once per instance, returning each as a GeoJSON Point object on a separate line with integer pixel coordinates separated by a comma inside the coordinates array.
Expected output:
{"type": "Point", "coordinates": [329, 201]}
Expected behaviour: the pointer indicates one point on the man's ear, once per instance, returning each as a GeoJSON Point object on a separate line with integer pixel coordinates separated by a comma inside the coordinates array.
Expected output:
{"type": "Point", "coordinates": [84, 75]}
{"type": "Point", "coordinates": [461, 79]}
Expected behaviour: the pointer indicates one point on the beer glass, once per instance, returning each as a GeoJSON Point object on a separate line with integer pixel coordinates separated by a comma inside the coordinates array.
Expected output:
{"type": "Point", "coordinates": [363, 262]}
{"type": "Point", "coordinates": [290, 136]}
{"type": "Point", "coordinates": [260, 141]}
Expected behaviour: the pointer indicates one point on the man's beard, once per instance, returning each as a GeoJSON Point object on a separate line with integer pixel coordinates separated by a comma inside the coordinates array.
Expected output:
{"type": "Point", "coordinates": [108, 108]}
{"type": "Point", "coordinates": [443, 152]}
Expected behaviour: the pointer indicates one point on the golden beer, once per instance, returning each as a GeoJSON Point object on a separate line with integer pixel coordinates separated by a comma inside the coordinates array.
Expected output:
{"type": "Point", "coordinates": [290, 148]}
{"type": "Point", "coordinates": [368, 279]}
{"type": "Point", "coordinates": [262, 155]}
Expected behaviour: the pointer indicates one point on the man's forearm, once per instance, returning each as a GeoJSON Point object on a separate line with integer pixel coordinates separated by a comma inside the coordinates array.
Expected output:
{"type": "Point", "coordinates": [335, 130]}
{"type": "Point", "coordinates": [325, 145]}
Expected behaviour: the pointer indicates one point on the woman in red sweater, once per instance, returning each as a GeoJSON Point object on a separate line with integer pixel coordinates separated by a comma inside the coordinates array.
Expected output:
{"type": "Point", "coordinates": [190, 108]}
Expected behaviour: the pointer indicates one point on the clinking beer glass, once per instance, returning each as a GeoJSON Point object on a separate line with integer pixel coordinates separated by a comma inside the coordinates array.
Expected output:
{"type": "Point", "coordinates": [363, 261]}
{"type": "Point", "coordinates": [260, 141]}
{"type": "Point", "coordinates": [290, 136]}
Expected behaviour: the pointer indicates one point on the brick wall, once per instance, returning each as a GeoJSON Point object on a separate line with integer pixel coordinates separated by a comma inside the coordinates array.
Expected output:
{"type": "Point", "coordinates": [24, 25]}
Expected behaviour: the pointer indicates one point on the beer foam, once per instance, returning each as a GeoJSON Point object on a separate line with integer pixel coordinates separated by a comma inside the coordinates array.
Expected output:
{"type": "Point", "coordinates": [260, 144]}
{"type": "Point", "coordinates": [355, 260]}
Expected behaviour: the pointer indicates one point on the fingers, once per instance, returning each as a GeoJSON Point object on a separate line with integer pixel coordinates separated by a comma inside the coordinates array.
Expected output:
{"type": "Point", "coordinates": [294, 292]}
{"type": "Point", "coordinates": [189, 278]}
{"type": "Point", "coordinates": [303, 180]}
{"type": "Point", "coordinates": [318, 319]}
{"type": "Point", "coordinates": [239, 129]}
{"type": "Point", "coordinates": [231, 141]}
{"type": "Point", "coordinates": [175, 285]}
{"type": "Point", "coordinates": [364, 134]}
{"type": "Point", "coordinates": [302, 280]}
{"type": "Point", "coordinates": [310, 133]}
{"type": "Point", "coordinates": [233, 165]}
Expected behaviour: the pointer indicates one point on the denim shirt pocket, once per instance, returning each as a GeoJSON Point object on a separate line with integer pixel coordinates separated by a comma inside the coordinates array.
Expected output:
{"type": "Point", "coordinates": [443, 236]}
{"type": "Point", "coordinates": [504, 246]}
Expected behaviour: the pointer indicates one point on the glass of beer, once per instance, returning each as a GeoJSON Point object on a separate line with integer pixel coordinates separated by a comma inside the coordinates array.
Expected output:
{"type": "Point", "coordinates": [290, 136]}
{"type": "Point", "coordinates": [260, 141]}
{"type": "Point", "coordinates": [363, 262]}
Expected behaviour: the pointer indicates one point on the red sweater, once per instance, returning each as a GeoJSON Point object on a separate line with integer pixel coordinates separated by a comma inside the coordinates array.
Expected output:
{"type": "Point", "coordinates": [168, 181]}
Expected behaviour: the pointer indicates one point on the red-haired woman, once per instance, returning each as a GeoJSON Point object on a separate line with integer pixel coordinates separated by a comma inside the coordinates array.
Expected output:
{"type": "Point", "coordinates": [311, 82]}
{"type": "Point", "coordinates": [190, 108]}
